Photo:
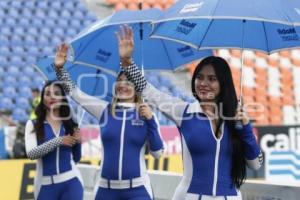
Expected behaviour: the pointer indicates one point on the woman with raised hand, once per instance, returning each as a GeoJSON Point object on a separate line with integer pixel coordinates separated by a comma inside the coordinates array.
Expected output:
{"type": "Point", "coordinates": [215, 152]}
{"type": "Point", "coordinates": [127, 126]}
{"type": "Point", "coordinates": [53, 139]}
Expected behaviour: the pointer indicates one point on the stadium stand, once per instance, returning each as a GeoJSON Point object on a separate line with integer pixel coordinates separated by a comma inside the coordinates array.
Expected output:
{"type": "Point", "coordinates": [27, 33]}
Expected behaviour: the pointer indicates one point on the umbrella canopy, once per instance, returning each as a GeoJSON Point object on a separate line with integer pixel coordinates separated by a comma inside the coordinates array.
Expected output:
{"type": "Point", "coordinates": [90, 80]}
{"type": "Point", "coordinates": [261, 25]}
{"type": "Point", "coordinates": [98, 46]}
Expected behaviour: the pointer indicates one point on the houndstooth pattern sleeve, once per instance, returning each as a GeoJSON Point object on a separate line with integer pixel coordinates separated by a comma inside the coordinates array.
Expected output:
{"type": "Point", "coordinates": [63, 76]}
{"type": "Point", "coordinates": [135, 75]}
{"type": "Point", "coordinates": [35, 151]}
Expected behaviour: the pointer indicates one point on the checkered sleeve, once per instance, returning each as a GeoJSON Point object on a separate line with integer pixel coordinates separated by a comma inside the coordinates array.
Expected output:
{"type": "Point", "coordinates": [45, 148]}
{"type": "Point", "coordinates": [63, 76]}
{"type": "Point", "coordinates": [135, 75]}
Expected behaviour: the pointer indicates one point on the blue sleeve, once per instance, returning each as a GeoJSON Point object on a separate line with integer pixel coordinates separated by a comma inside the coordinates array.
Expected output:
{"type": "Point", "coordinates": [76, 151]}
{"type": "Point", "coordinates": [252, 149]}
{"type": "Point", "coordinates": [154, 138]}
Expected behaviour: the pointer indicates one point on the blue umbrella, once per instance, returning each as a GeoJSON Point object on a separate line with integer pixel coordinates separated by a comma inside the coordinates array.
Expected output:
{"type": "Point", "coordinates": [90, 80]}
{"type": "Point", "coordinates": [97, 45]}
{"type": "Point", "coordinates": [262, 25]}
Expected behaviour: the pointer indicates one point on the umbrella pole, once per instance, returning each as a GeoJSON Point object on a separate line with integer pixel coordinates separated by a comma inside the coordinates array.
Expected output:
{"type": "Point", "coordinates": [142, 45]}
{"type": "Point", "coordinates": [239, 124]}
{"type": "Point", "coordinates": [141, 38]}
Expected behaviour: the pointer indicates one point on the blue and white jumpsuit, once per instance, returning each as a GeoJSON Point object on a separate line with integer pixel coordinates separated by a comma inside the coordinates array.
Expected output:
{"type": "Point", "coordinates": [124, 137]}
{"type": "Point", "coordinates": [207, 160]}
{"type": "Point", "coordinates": [57, 177]}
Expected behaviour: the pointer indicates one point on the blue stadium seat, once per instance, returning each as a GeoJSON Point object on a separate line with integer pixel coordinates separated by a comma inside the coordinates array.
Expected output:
{"type": "Point", "coordinates": [34, 51]}
{"type": "Point", "coordinates": [63, 23]}
{"type": "Point", "coordinates": [1, 75]}
{"type": "Point", "coordinates": [19, 115]}
{"type": "Point", "coordinates": [3, 60]}
{"type": "Point", "coordinates": [55, 41]}
{"type": "Point", "coordinates": [75, 24]}
{"type": "Point", "coordinates": [28, 12]}
{"type": "Point", "coordinates": [13, 13]}
{"type": "Point", "coordinates": [19, 30]}
{"type": "Point", "coordinates": [4, 40]}
{"type": "Point", "coordinates": [28, 70]}
{"type": "Point", "coordinates": [38, 82]}
{"type": "Point", "coordinates": [48, 51]}
{"type": "Point", "coordinates": [16, 4]}
{"type": "Point", "coordinates": [55, 5]}
{"type": "Point", "coordinates": [16, 60]}
{"type": "Point", "coordinates": [16, 40]}
{"type": "Point", "coordinates": [69, 5]}
{"type": "Point", "coordinates": [22, 102]}
{"type": "Point", "coordinates": [43, 41]}
{"type": "Point", "coordinates": [29, 40]}
{"type": "Point", "coordinates": [60, 32]}
{"type": "Point", "coordinates": [9, 92]}
{"type": "Point", "coordinates": [38, 23]}
{"type": "Point", "coordinates": [47, 31]}
{"type": "Point", "coordinates": [24, 92]}
{"type": "Point", "coordinates": [25, 81]}
{"type": "Point", "coordinates": [6, 103]}
{"type": "Point", "coordinates": [2, 13]}
{"type": "Point", "coordinates": [29, 60]}
{"type": "Point", "coordinates": [43, 5]}
{"type": "Point", "coordinates": [78, 14]}
{"type": "Point", "coordinates": [80, 6]}
{"type": "Point", "coordinates": [33, 31]}
{"type": "Point", "coordinates": [71, 32]}
{"type": "Point", "coordinates": [4, 4]}
{"type": "Point", "coordinates": [13, 71]}
{"type": "Point", "coordinates": [6, 30]}
{"type": "Point", "coordinates": [5, 51]}
{"type": "Point", "coordinates": [50, 24]}
{"type": "Point", "coordinates": [65, 14]}
{"type": "Point", "coordinates": [18, 51]}
{"type": "Point", "coordinates": [9, 81]}
{"type": "Point", "coordinates": [52, 14]}
{"type": "Point", "coordinates": [24, 22]}
{"type": "Point", "coordinates": [10, 22]}
{"type": "Point", "coordinates": [29, 4]}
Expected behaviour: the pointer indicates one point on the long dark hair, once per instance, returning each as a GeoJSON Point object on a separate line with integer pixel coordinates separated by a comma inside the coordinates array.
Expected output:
{"type": "Point", "coordinates": [227, 105]}
{"type": "Point", "coordinates": [64, 113]}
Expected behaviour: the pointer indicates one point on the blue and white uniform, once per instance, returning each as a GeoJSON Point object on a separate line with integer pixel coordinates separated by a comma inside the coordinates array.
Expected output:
{"type": "Point", "coordinates": [207, 160]}
{"type": "Point", "coordinates": [57, 177]}
{"type": "Point", "coordinates": [124, 137]}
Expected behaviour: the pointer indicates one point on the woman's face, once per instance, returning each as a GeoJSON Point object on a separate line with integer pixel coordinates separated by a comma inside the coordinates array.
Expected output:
{"type": "Point", "coordinates": [207, 85]}
{"type": "Point", "coordinates": [124, 89]}
{"type": "Point", "coordinates": [53, 97]}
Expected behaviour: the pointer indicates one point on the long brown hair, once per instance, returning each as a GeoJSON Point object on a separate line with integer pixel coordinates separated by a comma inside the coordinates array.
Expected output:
{"type": "Point", "coordinates": [64, 113]}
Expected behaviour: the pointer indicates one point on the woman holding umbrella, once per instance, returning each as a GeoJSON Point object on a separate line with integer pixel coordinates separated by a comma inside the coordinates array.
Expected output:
{"type": "Point", "coordinates": [126, 127]}
{"type": "Point", "coordinates": [215, 153]}
{"type": "Point", "coordinates": [54, 140]}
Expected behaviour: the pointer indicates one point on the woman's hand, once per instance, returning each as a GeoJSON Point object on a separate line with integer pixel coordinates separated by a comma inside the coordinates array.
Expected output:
{"type": "Point", "coordinates": [77, 135]}
{"type": "Point", "coordinates": [61, 56]}
{"type": "Point", "coordinates": [69, 140]}
{"type": "Point", "coordinates": [126, 44]}
{"type": "Point", "coordinates": [241, 115]}
{"type": "Point", "coordinates": [145, 111]}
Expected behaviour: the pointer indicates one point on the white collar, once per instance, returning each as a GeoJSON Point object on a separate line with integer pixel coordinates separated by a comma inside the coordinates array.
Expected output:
{"type": "Point", "coordinates": [127, 105]}
{"type": "Point", "coordinates": [194, 108]}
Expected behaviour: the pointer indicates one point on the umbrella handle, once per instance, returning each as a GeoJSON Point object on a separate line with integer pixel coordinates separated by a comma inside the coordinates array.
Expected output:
{"type": "Point", "coordinates": [238, 123]}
